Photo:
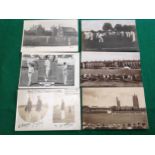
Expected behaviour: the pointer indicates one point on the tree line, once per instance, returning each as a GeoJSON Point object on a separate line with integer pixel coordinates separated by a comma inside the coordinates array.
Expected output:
{"type": "Point", "coordinates": [118, 27]}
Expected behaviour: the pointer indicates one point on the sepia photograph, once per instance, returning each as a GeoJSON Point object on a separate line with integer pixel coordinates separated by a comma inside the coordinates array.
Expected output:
{"type": "Point", "coordinates": [49, 70]}
{"type": "Point", "coordinates": [110, 69]}
{"type": "Point", "coordinates": [48, 109]}
{"type": "Point", "coordinates": [109, 35]}
{"type": "Point", "coordinates": [50, 35]}
{"type": "Point", "coordinates": [114, 108]}
{"type": "Point", "coordinates": [63, 113]}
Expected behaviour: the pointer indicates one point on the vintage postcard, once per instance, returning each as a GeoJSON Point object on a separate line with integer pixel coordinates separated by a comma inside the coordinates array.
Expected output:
{"type": "Point", "coordinates": [49, 70]}
{"type": "Point", "coordinates": [114, 108]}
{"type": "Point", "coordinates": [48, 109]}
{"type": "Point", "coordinates": [50, 35]}
{"type": "Point", "coordinates": [110, 69]}
{"type": "Point", "coordinates": [109, 35]}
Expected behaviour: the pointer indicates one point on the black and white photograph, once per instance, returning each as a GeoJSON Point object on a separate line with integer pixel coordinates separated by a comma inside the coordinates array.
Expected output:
{"type": "Point", "coordinates": [50, 35]}
{"type": "Point", "coordinates": [109, 35]}
{"type": "Point", "coordinates": [110, 69]}
{"type": "Point", "coordinates": [43, 70]}
{"type": "Point", "coordinates": [114, 108]}
{"type": "Point", "coordinates": [48, 109]}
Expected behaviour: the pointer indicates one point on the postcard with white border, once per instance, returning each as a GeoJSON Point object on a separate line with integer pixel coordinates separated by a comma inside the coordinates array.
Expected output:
{"type": "Point", "coordinates": [48, 109]}
{"type": "Point", "coordinates": [50, 35]}
{"type": "Point", "coordinates": [49, 70]}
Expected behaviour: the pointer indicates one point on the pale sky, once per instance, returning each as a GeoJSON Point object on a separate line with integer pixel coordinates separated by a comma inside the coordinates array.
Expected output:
{"type": "Point", "coordinates": [102, 56]}
{"type": "Point", "coordinates": [88, 25]}
{"type": "Point", "coordinates": [48, 97]}
{"type": "Point", "coordinates": [105, 97]}
{"type": "Point", "coordinates": [69, 60]}
{"type": "Point", "coordinates": [49, 23]}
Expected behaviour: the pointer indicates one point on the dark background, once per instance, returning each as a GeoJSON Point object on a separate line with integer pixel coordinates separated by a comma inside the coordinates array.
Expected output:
{"type": "Point", "coordinates": [10, 44]}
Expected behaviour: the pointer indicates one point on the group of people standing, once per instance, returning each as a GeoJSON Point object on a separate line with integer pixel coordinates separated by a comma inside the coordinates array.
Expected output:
{"type": "Point", "coordinates": [124, 126]}
{"type": "Point", "coordinates": [110, 77]}
{"type": "Point", "coordinates": [29, 105]}
{"type": "Point", "coordinates": [108, 39]}
{"type": "Point", "coordinates": [48, 70]}
{"type": "Point", "coordinates": [101, 35]}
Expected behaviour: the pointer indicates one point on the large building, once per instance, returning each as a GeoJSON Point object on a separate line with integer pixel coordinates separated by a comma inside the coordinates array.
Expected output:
{"type": "Point", "coordinates": [66, 31]}
{"type": "Point", "coordinates": [59, 31]}
{"type": "Point", "coordinates": [133, 64]}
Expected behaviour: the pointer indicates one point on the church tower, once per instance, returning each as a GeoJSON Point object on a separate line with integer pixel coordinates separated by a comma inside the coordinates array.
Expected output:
{"type": "Point", "coordinates": [135, 102]}
{"type": "Point", "coordinates": [118, 103]}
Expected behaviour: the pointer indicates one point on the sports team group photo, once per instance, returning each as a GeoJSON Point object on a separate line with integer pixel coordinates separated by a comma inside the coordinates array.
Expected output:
{"type": "Point", "coordinates": [47, 70]}
{"type": "Point", "coordinates": [109, 35]}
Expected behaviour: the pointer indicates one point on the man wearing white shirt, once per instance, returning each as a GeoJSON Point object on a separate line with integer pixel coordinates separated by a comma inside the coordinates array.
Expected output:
{"type": "Point", "coordinates": [30, 71]}
{"type": "Point", "coordinates": [47, 68]}
{"type": "Point", "coordinates": [65, 73]}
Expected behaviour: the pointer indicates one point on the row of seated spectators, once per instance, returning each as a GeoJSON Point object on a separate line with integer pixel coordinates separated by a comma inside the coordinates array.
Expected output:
{"type": "Point", "coordinates": [137, 125]}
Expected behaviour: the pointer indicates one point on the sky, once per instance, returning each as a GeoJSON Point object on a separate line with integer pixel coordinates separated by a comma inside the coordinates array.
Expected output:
{"type": "Point", "coordinates": [69, 60]}
{"type": "Point", "coordinates": [102, 56]}
{"type": "Point", "coordinates": [88, 25]}
{"type": "Point", "coordinates": [49, 23]}
{"type": "Point", "coordinates": [105, 97]}
{"type": "Point", "coordinates": [47, 97]}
